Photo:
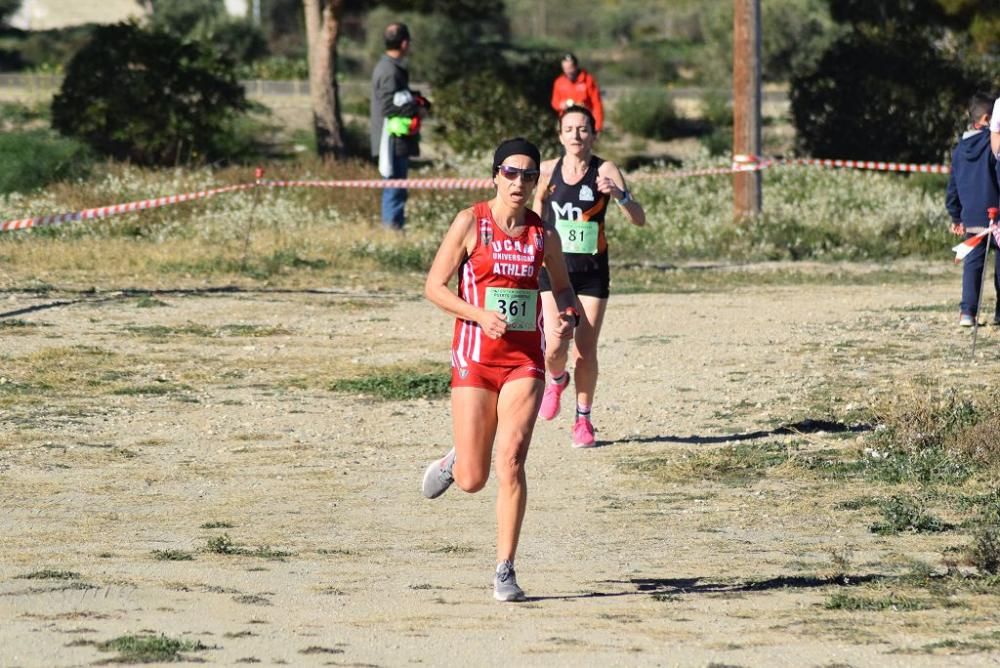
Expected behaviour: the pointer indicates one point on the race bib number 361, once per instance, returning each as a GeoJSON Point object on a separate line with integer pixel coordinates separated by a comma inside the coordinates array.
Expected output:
{"type": "Point", "coordinates": [518, 306]}
{"type": "Point", "coordinates": [577, 236]}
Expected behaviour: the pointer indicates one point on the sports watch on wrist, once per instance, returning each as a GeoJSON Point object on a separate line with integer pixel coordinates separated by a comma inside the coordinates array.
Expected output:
{"type": "Point", "coordinates": [625, 198]}
{"type": "Point", "coordinates": [573, 312]}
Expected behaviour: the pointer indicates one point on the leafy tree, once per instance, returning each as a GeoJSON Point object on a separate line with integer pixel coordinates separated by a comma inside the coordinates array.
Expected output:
{"type": "Point", "coordinates": [149, 97]}
{"type": "Point", "coordinates": [8, 7]}
{"type": "Point", "coordinates": [446, 47]}
{"type": "Point", "coordinates": [976, 23]}
{"type": "Point", "coordinates": [183, 16]}
{"type": "Point", "coordinates": [208, 22]}
{"type": "Point", "coordinates": [888, 14]}
{"type": "Point", "coordinates": [793, 34]}
{"type": "Point", "coordinates": [324, 23]}
{"type": "Point", "coordinates": [282, 23]}
{"type": "Point", "coordinates": [484, 89]}
{"type": "Point", "coordinates": [887, 89]}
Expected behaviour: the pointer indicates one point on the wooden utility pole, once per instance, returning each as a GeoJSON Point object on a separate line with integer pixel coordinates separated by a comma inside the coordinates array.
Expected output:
{"type": "Point", "coordinates": [746, 105]}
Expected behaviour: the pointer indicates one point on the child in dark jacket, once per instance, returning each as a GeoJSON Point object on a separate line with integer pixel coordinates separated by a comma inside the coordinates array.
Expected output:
{"type": "Point", "coordinates": [972, 189]}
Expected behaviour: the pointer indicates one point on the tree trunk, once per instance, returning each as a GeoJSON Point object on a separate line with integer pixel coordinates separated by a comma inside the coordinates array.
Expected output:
{"type": "Point", "coordinates": [322, 29]}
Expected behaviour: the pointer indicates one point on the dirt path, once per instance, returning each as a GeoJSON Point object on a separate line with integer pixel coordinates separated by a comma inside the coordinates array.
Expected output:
{"type": "Point", "coordinates": [222, 416]}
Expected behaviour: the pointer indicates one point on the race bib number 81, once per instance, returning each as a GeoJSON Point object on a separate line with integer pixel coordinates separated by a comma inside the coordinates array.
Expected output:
{"type": "Point", "coordinates": [578, 236]}
{"type": "Point", "coordinates": [518, 306]}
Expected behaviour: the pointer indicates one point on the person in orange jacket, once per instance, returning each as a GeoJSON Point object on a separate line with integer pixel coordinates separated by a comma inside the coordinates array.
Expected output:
{"type": "Point", "coordinates": [576, 86]}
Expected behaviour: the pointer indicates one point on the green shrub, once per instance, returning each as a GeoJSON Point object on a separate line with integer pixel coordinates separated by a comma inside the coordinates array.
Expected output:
{"type": "Point", "coordinates": [50, 574]}
{"type": "Point", "coordinates": [844, 601]}
{"type": "Point", "coordinates": [149, 648]}
{"type": "Point", "coordinates": [717, 113]}
{"type": "Point", "coordinates": [648, 113]}
{"type": "Point", "coordinates": [717, 107]}
{"type": "Point", "coordinates": [171, 100]}
{"type": "Point", "coordinates": [31, 160]}
{"type": "Point", "coordinates": [984, 552]}
{"type": "Point", "coordinates": [396, 256]}
{"type": "Point", "coordinates": [399, 383]}
{"type": "Point", "coordinates": [275, 68]}
{"type": "Point", "coordinates": [20, 116]}
{"type": "Point", "coordinates": [903, 513]}
{"type": "Point", "coordinates": [223, 545]}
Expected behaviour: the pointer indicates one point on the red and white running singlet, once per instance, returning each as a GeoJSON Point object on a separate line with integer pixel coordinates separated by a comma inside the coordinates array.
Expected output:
{"type": "Point", "coordinates": [501, 274]}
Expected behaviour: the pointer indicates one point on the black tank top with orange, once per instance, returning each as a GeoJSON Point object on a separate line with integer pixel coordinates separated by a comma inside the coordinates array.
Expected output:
{"type": "Point", "coordinates": [580, 202]}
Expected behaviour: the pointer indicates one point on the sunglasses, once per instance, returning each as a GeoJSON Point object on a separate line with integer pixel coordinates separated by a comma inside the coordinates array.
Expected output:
{"type": "Point", "coordinates": [511, 173]}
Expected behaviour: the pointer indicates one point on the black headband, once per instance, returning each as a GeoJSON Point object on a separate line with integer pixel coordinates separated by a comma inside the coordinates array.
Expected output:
{"type": "Point", "coordinates": [516, 146]}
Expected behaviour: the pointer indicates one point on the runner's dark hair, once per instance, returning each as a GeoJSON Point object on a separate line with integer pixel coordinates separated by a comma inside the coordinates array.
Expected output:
{"type": "Point", "coordinates": [578, 109]}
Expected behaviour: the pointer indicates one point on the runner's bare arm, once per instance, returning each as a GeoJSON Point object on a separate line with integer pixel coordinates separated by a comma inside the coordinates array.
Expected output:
{"type": "Point", "coordinates": [611, 182]}
{"type": "Point", "coordinates": [458, 242]}
{"type": "Point", "coordinates": [562, 290]}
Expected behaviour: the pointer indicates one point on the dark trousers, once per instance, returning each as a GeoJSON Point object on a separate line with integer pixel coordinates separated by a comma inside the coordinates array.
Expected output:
{"type": "Point", "coordinates": [394, 199]}
{"type": "Point", "coordinates": [972, 275]}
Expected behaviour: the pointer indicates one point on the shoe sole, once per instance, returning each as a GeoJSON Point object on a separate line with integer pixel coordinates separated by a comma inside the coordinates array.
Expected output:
{"type": "Point", "coordinates": [518, 598]}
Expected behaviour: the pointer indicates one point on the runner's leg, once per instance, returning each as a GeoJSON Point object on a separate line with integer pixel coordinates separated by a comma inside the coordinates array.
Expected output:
{"type": "Point", "coordinates": [474, 425]}
{"type": "Point", "coordinates": [587, 333]}
{"type": "Point", "coordinates": [556, 353]}
{"type": "Point", "coordinates": [517, 409]}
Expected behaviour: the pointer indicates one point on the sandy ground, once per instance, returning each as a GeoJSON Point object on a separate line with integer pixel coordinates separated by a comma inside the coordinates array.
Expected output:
{"type": "Point", "coordinates": [621, 567]}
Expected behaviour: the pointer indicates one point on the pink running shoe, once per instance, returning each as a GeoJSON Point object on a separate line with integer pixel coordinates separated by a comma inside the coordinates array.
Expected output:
{"type": "Point", "coordinates": [550, 400]}
{"type": "Point", "coordinates": [583, 434]}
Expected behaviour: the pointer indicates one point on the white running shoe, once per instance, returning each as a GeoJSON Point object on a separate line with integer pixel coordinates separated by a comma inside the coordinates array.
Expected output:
{"type": "Point", "coordinates": [438, 477]}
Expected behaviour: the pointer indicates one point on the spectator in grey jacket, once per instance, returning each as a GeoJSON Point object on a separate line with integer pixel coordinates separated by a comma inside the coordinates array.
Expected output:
{"type": "Point", "coordinates": [395, 121]}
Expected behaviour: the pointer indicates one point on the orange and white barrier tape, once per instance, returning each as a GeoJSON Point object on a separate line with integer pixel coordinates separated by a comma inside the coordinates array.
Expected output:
{"type": "Point", "coordinates": [117, 209]}
{"type": "Point", "coordinates": [964, 248]}
{"type": "Point", "coordinates": [420, 184]}
{"type": "Point", "coordinates": [741, 163]}
{"type": "Point", "coordinates": [874, 165]}
{"type": "Point", "coordinates": [756, 163]}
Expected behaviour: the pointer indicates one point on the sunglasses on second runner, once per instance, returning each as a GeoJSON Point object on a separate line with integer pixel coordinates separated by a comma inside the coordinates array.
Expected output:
{"type": "Point", "coordinates": [511, 173]}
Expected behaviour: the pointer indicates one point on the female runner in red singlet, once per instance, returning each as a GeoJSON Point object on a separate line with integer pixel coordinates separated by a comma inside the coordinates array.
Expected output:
{"type": "Point", "coordinates": [497, 248]}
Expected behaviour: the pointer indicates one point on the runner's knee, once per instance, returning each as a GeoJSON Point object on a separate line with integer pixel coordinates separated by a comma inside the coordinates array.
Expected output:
{"type": "Point", "coordinates": [555, 354]}
{"type": "Point", "coordinates": [470, 481]}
